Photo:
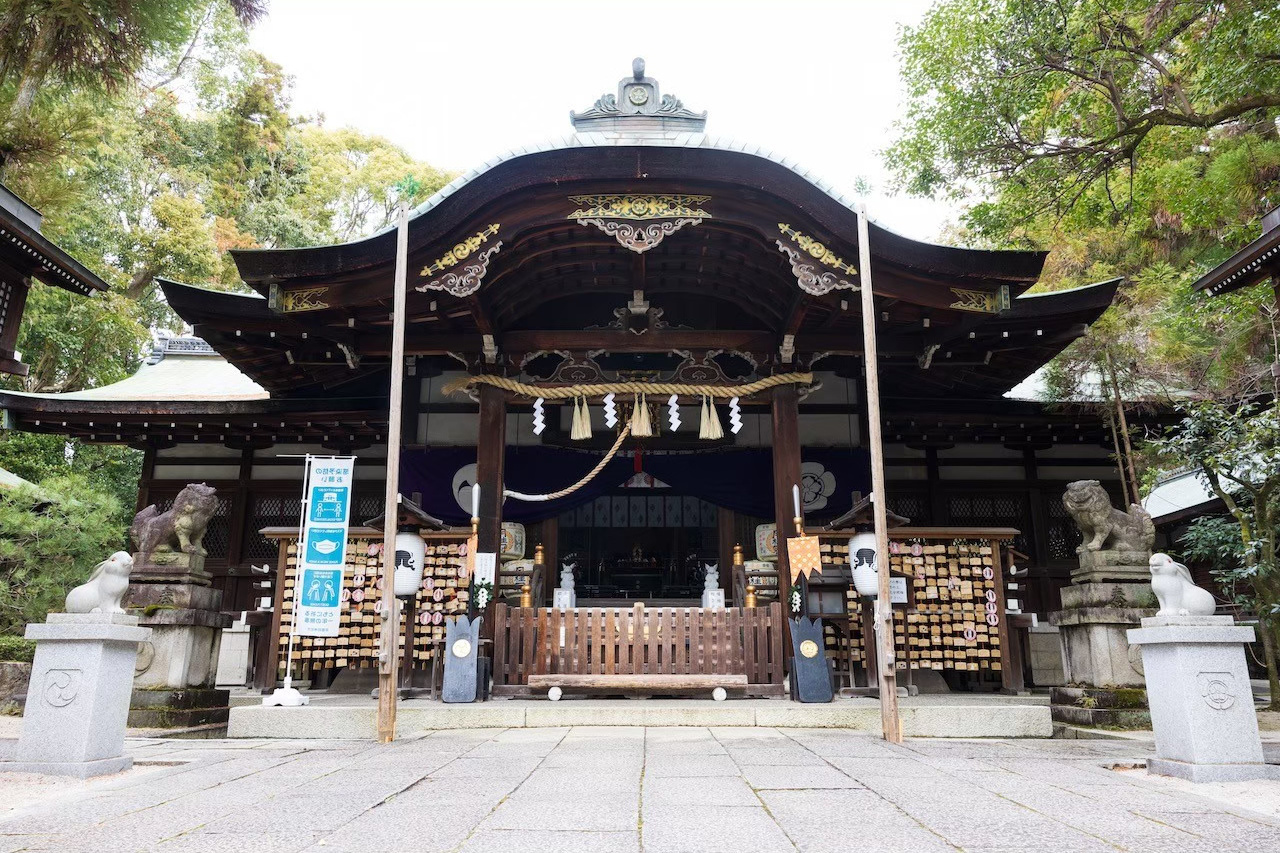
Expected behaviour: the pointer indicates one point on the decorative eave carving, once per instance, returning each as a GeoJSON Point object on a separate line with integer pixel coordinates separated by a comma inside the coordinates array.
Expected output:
{"type": "Point", "coordinates": [981, 301]}
{"type": "Point", "coordinates": [809, 277]}
{"type": "Point", "coordinates": [469, 280]}
{"type": "Point", "coordinates": [639, 238]}
{"type": "Point", "coordinates": [309, 299]}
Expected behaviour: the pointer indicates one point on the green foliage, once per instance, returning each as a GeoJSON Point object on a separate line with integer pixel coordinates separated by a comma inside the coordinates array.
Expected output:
{"type": "Point", "coordinates": [107, 468]}
{"type": "Point", "coordinates": [1235, 449]}
{"type": "Point", "coordinates": [17, 649]}
{"type": "Point", "coordinates": [51, 537]}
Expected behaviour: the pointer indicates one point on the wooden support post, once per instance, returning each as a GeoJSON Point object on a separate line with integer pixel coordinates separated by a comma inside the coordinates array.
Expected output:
{"type": "Point", "coordinates": [890, 723]}
{"type": "Point", "coordinates": [387, 657]}
{"type": "Point", "coordinates": [786, 472]}
{"type": "Point", "coordinates": [491, 446]}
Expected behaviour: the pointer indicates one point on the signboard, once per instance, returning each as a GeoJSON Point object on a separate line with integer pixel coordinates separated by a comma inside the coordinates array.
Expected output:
{"type": "Point", "coordinates": [897, 589]}
{"type": "Point", "coordinates": [326, 508]}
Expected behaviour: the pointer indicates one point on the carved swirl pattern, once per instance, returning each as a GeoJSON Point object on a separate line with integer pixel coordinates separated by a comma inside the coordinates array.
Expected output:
{"type": "Point", "coordinates": [639, 238]}
{"type": "Point", "coordinates": [311, 299]}
{"type": "Point", "coordinates": [980, 301]}
{"type": "Point", "coordinates": [638, 206]}
{"type": "Point", "coordinates": [808, 277]}
{"type": "Point", "coordinates": [61, 686]}
{"type": "Point", "coordinates": [468, 281]}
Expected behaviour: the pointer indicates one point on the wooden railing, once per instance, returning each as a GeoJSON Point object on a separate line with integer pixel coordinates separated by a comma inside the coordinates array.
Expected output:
{"type": "Point", "coordinates": [638, 640]}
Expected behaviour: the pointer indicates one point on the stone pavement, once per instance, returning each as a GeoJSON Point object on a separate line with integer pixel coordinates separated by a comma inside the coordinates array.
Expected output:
{"type": "Point", "coordinates": [659, 790]}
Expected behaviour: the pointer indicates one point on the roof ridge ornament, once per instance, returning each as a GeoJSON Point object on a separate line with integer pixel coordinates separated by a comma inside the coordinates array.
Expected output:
{"type": "Point", "coordinates": [639, 105]}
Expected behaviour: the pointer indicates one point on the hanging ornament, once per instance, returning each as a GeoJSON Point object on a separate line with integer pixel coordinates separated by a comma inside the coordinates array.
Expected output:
{"type": "Point", "coordinates": [640, 424]}
{"type": "Point", "coordinates": [581, 429]}
{"type": "Point", "coordinates": [610, 411]}
{"type": "Point", "coordinates": [716, 431]}
{"type": "Point", "coordinates": [710, 429]}
{"type": "Point", "coordinates": [539, 417]}
{"type": "Point", "coordinates": [735, 416]}
{"type": "Point", "coordinates": [673, 408]}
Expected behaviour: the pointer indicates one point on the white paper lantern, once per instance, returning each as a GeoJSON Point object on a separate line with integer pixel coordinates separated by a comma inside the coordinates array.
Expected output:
{"type": "Point", "coordinates": [411, 552]}
{"type": "Point", "coordinates": [862, 559]}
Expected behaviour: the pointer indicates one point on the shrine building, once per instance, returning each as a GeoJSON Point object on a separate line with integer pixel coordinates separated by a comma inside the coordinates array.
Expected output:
{"type": "Point", "coordinates": [637, 252]}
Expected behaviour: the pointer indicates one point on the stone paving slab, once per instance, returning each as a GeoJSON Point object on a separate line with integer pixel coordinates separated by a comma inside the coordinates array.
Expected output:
{"type": "Point", "coordinates": [631, 789]}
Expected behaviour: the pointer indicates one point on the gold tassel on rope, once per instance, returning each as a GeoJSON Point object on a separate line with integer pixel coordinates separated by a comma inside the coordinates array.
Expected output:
{"type": "Point", "coordinates": [712, 421]}
{"type": "Point", "coordinates": [586, 419]}
{"type": "Point", "coordinates": [704, 429]}
{"type": "Point", "coordinates": [581, 424]}
{"type": "Point", "coordinates": [640, 425]}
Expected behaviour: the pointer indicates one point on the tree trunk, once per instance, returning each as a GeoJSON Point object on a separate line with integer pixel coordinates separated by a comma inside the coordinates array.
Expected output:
{"type": "Point", "coordinates": [33, 77]}
{"type": "Point", "coordinates": [1124, 431]}
{"type": "Point", "coordinates": [1267, 631]}
{"type": "Point", "coordinates": [139, 283]}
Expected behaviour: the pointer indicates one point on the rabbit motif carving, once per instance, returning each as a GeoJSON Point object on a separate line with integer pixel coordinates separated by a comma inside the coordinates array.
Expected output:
{"type": "Point", "coordinates": [1178, 595]}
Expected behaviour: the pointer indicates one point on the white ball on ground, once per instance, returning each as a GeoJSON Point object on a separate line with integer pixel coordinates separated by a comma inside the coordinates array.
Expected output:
{"type": "Point", "coordinates": [719, 694]}
{"type": "Point", "coordinates": [554, 694]}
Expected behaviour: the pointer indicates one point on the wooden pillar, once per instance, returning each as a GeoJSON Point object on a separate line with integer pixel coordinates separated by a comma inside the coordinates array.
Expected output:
{"type": "Point", "coordinates": [491, 446]}
{"type": "Point", "coordinates": [551, 557]}
{"type": "Point", "coordinates": [726, 534]}
{"type": "Point", "coordinates": [11, 310]}
{"type": "Point", "coordinates": [786, 470]}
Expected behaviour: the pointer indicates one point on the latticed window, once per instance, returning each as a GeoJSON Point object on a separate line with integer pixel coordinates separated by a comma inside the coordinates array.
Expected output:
{"type": "Point", "coordinates": [1063, 535]}
{"type": "Point", "coordinates": [270, 511]}
{"type": "Point", "coordinates": [993, 509]}
{"type": "Point", "coordinates": [914, 507]}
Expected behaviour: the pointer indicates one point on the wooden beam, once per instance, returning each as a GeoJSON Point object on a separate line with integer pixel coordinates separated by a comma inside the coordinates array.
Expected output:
{"type": "Point", "coordinates": [786, 470]}
{"type": "Point", "coordinates": [388, 657]}
{"type": "Point", "coordinates": [890, 722]}
{"type": "Point", "coordinates": [491, 445]}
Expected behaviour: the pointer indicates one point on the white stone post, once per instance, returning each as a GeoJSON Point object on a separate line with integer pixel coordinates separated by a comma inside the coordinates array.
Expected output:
{"type": "Point", "coordinates": [1200, 698]}
{"type": "Point", "coordinates": [78, 700]}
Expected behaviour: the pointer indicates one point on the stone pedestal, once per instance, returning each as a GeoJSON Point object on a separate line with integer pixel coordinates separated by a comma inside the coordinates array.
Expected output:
{"type": "Point", "coordinates": [1112, 565]}
{"type": "Point", "coordinates": [564, 599]}
{"type": "Point", "coordinates": [176, 670]}
{"type": "Point", "coordinates": [713, 599]}
{"type": "Point", "coordinates": [78, 700]}
{"type": "Point", "coordinates": [1201, 702]}
{"type": "Point", "coordinates": [1092, 625]}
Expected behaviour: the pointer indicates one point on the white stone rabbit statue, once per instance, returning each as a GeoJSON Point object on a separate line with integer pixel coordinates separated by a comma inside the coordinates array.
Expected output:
{"type": "Point", "coordinates": [1178, 594]}
{"type": "Point", "coordinates": [105, 588]}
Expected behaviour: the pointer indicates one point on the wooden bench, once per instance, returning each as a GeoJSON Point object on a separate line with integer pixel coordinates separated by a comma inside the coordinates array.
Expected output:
{"type": "Point", "coordinates": [555, 684]}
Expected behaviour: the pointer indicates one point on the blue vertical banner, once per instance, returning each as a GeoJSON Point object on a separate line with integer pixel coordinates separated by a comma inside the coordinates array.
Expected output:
{"type": "Point", "coordinates": [322, 550]}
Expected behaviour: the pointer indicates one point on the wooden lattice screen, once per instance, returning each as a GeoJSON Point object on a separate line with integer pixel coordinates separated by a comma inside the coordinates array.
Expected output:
{"type": "Point", "coordinates": [639, 640]}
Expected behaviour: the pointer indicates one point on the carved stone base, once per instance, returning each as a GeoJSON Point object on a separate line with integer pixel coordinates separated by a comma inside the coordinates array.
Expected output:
{"type": "Point", "coordinates": [1122, 566]}
{"type": "Point", "coordinates": [1092, 626]}
{"type": "Point", "coordinates": [186, 626]}
{"type": "Point", "coordinates": [178, 709]}
{"type": "Point", "coordinates": [169, 567]}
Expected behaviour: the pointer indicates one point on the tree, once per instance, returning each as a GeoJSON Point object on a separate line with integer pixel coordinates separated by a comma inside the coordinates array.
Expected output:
{"type": "Point", "coordinates": [1130, 138]}
{"type": "Point", "coordinates": [51, 537]}
{"type": "Point", "coordinates": [96, 46]}
{"type": "Point", "coordinates": [1061, 95]}
{"type": "Point", "coordinates": [1235, 450]}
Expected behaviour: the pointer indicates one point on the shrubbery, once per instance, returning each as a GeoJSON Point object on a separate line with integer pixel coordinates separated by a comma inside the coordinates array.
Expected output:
{"type": "Point", "coordinates": [51, 537]}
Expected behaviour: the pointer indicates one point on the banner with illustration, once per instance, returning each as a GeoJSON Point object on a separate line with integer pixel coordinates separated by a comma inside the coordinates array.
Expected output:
{"type": "Point", "coordinates": [326, 502]}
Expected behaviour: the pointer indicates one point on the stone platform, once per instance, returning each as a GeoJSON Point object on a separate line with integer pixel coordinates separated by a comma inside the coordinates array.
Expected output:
{"type": "Point", "coordinates": [922, 716]}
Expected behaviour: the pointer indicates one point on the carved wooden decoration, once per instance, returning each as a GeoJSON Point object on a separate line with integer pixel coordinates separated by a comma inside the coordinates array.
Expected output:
{"type": "Point", "coordinates": [809, 278]}
{"type": "Point", "coordinates": [468, 281]}
{"type": "Point", "coordinates": [639, 238]}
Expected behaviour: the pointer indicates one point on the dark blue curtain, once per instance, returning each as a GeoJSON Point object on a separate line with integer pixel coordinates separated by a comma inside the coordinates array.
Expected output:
{"type": "Point", "coordinates": [739, 480]}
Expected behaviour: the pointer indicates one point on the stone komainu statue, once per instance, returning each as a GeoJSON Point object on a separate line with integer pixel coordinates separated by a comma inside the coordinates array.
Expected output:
{"type": "Point", "coordinates": [181, 527]}
{"type": "Point", "coordinates": [1106, 528]}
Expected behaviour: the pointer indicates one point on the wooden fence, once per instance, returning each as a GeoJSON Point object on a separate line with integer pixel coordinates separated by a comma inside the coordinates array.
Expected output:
{"type": "Point", "coordinates": [639, 640]}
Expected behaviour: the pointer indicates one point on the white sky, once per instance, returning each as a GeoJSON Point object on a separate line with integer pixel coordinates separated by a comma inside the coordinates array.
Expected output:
{"type": "Point", "coordinates": [455, 81]}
